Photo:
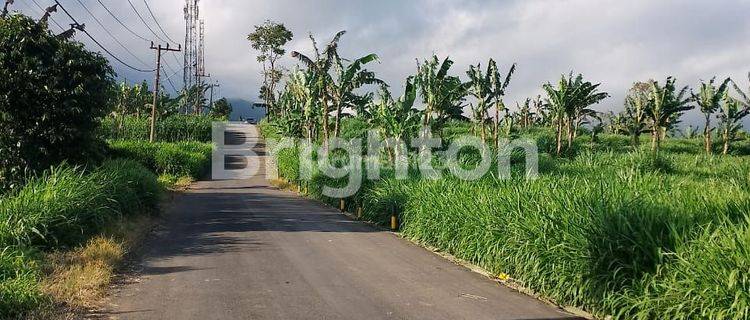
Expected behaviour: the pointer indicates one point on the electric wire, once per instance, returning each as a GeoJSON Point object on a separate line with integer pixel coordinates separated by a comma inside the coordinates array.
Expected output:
{"type": "Point", "coordinates": [43, 11]}
{"type": "Point", "coordinates": [99, 44]}
{"type": "Point", "coordinates": [110, 34]}
{"type": "Point", "coordinates": [121, 23]}
{"type": "Point", "coordinates": [157, 22]}
{"type": "Point", "coordinates": [144, 21]}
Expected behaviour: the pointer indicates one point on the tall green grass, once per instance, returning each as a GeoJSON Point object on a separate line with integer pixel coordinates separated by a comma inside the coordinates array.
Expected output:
{"type": "Point", "coordinates": [177, 158]}
{"type": "Point", "coordinates": [170, 129]}
{"type": "Point", "coordinates": [609, 227]}
{"type": "Point", "coordinates": [62, 208]}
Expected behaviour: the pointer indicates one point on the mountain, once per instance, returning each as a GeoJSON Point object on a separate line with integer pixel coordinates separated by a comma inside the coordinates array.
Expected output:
{"type": "Point", "coordinates": [245, 109]}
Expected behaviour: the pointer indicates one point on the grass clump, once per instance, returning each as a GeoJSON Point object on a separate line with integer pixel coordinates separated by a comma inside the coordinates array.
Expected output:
{"type": "Point", "coordinates": [173, 128]}
{"type": "Point", "coordinates": [179, 159]}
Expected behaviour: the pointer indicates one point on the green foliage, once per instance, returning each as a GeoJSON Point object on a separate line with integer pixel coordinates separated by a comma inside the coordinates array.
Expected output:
{"type": "Point", "coordinates": [442, 94]}
{"type": "Point", "coordinates": [54, 93]}
{"type": "Point", "coordinates": [221, 109]}
{"type": "Point", "coordinates": [269, 39]}
{"type": "Point", "coordinates": [180, 158]}
{"type": "Point", "coordinates": [171, 129]}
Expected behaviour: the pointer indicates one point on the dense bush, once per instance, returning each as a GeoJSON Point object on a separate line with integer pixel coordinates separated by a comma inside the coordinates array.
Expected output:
{"type": "Point", "coordinates": [53, 94]}
{"type": "Point", "coordinates": [632, 235]}
{"type": "Point", "coordinates": [170, 129]}
{"type": "Point", "coordinates": [180, 158]}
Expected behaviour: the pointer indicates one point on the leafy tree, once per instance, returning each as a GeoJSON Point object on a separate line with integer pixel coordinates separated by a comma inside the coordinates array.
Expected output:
{"type": "Point", "coordinates": [667, 105]}
{"type": "Point", "coordinates": [709, 100]}
{"type": "Point", "coordinates": [221, 109]}
{"type": "Point", "coordinates": [302, 88]}
{"type": "Point", "coordinates": [731, 114]}
{"type": "Point", "coordinates": [442, 94]}
{"type": "Point", "coordinates": [269, 39]}
{"type": "Point", "coordinates": [569, 103]}
{"type": "Point", "coordinates": [489, 90]}
{"type": "Point", "coordinates": [53, 95]}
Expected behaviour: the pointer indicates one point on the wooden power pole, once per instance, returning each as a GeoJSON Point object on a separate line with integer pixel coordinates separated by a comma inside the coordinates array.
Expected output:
{"type": "Point", "coordinates": [158, 49]}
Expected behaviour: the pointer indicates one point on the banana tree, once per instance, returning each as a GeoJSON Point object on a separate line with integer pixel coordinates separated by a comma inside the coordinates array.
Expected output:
{"type": "Point", "coordinates": [709, 99]}
{"type": "Point", "coordinates": [498, 86]}
{"type": "Point", "coordinates": [320, 65]}
{"type": "Point", "coordinates": [349, 78]}
{"type": "Point", "coordinates": [667, 105]}
{"type": "Point", "coordinates": [396, 119]}
{"type": "Point", "coordinates": [441, 93]}
{"type": "Point", "coordinates": [569, 102]}
{"type": "Point", "coordinates": [302, 86]}
{"type": "Point", "coordinates": [634, 118]}
{"type": "Point", "coordinates": [732, 111]}
{"type": "Point", "coordinates": [479, 86]}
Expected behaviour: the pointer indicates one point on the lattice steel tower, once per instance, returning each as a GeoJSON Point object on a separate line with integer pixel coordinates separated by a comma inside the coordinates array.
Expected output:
{"type": "Point", "coordinates": [190, 71]}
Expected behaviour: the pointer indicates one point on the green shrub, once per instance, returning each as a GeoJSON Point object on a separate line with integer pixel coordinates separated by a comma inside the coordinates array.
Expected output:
{"type": "Point", "coordinates": [170, 129]}
{"type": "Point", "coordinates": [54, 92]}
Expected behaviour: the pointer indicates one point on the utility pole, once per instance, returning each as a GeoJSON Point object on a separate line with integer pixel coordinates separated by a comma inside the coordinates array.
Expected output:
{"type": "Point", "coordinates": [211, 100]}
{"type": "Point", "coordinates": [158, 49]}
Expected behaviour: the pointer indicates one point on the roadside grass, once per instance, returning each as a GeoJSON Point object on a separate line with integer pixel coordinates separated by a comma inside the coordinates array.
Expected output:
{"type": "Point", "coordinates": [608, 228]}
{"type": "Point", "coordinates": [64, 232]}
{"type": "Point", "coordinates": [177, 159]}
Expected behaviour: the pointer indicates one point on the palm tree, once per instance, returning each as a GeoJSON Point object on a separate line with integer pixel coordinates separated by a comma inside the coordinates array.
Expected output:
{"type": "Point", "coordinates": [709, 100]}
{"type": "Point", "coordinates": [744, 100]}
{"type": "Point", "coordinates": [321, 66]}
{"type": "Point", "coordinates": [441, 94]}
{"type": "Point", "coordinates": [569, 103]}
{"type": "Point", "coordinates": [732, 112]}
{"type": "Point", "coordinates": [348, 79]}
{"type": "Point", "coordinates": [667, 105]}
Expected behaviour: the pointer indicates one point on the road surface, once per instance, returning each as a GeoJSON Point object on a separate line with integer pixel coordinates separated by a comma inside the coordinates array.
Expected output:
{"type": "Point", "coordinates": [245, 250]}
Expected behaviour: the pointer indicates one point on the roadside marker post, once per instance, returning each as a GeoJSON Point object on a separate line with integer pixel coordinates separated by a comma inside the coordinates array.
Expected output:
{"type": "Point", "coordinates": [341, 205]}
{"type": "Point", "coordinates": [394, 219]}
{"type": "Point", "coordinates": [359, 213]}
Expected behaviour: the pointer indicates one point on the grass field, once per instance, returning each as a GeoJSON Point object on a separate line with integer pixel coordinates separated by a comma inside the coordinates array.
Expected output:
{"type": "Point", "coordinates": [608, 228]}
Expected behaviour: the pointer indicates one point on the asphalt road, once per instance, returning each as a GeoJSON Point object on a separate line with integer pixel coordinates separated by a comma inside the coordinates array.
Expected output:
{"type": "Point", "coordinates": [245, 250]}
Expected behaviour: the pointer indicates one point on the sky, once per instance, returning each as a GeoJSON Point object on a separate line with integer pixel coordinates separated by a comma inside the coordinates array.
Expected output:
{"type": "Point", "coordinates": [613, 42]}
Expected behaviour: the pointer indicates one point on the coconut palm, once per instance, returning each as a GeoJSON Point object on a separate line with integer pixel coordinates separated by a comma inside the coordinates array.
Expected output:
{"type": "Point", "coordinates": [667, 105]}
{"type": "Point", "coordinates": [569, 103]}
{"type": "Point", "coordinates": [320, 65]}
{"type": "Point", "coordinates": [349, 78]}
{"type": "Point", "coordinates": [441, 93]}
{"type": "Point", "coordinates": [709, 100]}
{"type": "Point", "coordinates": [732, 111]}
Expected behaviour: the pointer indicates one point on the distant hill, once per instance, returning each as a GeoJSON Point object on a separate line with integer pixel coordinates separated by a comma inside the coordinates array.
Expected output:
{"type": "Point", "coordinates": [245, 109]}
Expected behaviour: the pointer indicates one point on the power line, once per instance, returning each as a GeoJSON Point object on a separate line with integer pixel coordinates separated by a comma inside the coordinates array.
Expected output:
{"type": "Point", "coordinates": [99, 44]}
{"type": "Point", "coordinates": [157, 21]}
{"type": "Point", "coordinates": [121, 23]}
{"type": "Point", "coordinates": [169, 79]}
{"type": "Point", "coordinates": [43, 10]}
{"type": "Point", "coordinates": [144, 21]}
{"type": "Point", "coordinates": [110, 34]}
